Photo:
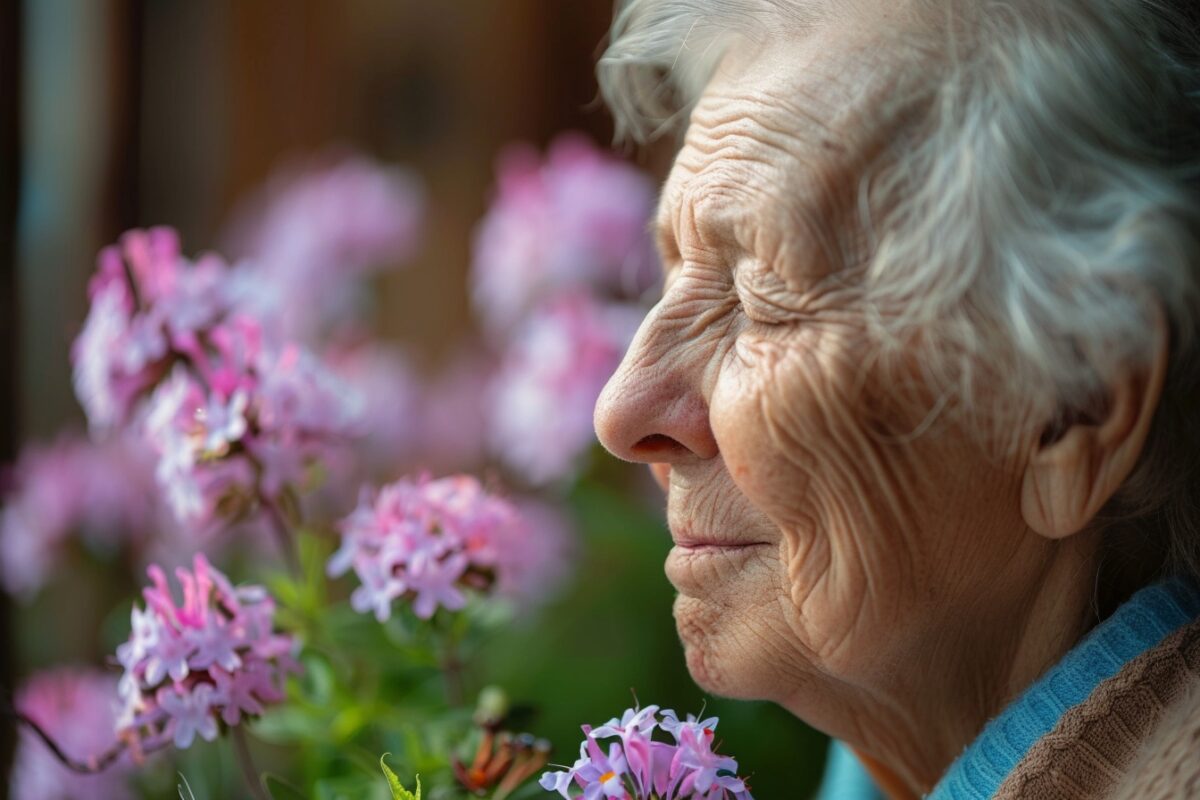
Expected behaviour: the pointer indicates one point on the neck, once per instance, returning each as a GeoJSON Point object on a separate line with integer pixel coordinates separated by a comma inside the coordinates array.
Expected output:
{"type": "Point", "coordinates": [970, 664]}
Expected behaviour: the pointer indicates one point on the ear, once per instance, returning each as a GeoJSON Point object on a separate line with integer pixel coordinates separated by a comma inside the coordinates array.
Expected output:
{"type": "Point", "coordinates": [1070, 476]}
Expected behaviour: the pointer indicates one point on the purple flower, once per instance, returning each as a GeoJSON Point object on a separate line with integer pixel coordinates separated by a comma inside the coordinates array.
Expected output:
{"type": "Point", "coordinates": [549, 379]}
{"type": "Point", "coordinates": [75, 706]}
{"type": "Point", "coordinates": [190, 712]}
{"type": "Point", "coordinates": [695, 754]}
{"type": "Point", "coordinates": [576, 221]}
{"type": "Point", "coordinates": [216, 656]}
{"type": "Point", "coordinates": [427, 540]}
{"type": "Point", "coordinates": [638, 767]}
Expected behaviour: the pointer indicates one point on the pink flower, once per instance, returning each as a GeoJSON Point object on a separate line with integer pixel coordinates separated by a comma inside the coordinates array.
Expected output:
{"type": "Point", "coordinates": [216, 656]}
{"type": "Point", "coordinates": [75, 706]}
{"type": "Point", "coordinates": [550, 377]}
{"type": "Point", "coordinates": [72, 490]}
{"type": "Point", "coordinates": [241, 422]}
{"type": "Point", "coordinates": [233, 414]}
{"type": "Point", "coordinates": [315, 231]}
{"type": "Point", "coordinates": [147, 303]}
{"type": "Point", "coordinates": [637, 767]}
{"type": "Point", "coordinates": [427, 540]}
{"type": "Point", "coordinates": [577, 221]}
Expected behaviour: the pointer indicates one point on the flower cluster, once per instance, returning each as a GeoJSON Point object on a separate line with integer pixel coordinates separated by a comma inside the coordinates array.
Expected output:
{"type": "Point", "coordinates": [546, 388]}
{"type": "Point", "coordinates": [71, 490]}
{"type": "Point", "coordinates": [560, 261]}
{"type": "Point", "coordinates": [428, 540]}
{"type": "Point", "coordinates": [232, 414]}
{"type": "Point", "coordinates": [75, 707]}
{"type": "Point", "coordinates": [215, 657]}
{"type": "Point", "coordinates": [148, 304]}
{"type": "Point", "coordinates": [636, 767]}
{"type": "Point", "coordinates": [575, 221]}
{"type": "Point", "coordinates": [239, 427]}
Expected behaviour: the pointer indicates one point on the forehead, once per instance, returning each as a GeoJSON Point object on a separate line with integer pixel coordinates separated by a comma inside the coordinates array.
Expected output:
{"type": "Point", "coordinates": [782, 130]}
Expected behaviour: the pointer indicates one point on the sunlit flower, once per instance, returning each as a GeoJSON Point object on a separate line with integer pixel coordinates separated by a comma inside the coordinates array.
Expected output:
{"type": "Point", "coordinates": [576, 221]}
{"type": "Point", "coordinates": [640, 768]}
{"type": "Point", "coordinates": [214, 658]}
{"type": "Point", "coordinates": [76, 707]}
{"type": "Point", "coordinates": [426, 541]}
{"type": "Point", "coordinates": [549, 379]}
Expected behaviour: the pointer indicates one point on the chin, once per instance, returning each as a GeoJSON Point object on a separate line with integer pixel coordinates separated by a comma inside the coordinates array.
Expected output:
{"type": "Point", "coordinates": [720, 648]}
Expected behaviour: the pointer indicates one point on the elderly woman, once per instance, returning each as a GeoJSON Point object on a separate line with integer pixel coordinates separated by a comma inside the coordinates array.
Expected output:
{"type": "Point", "coordinates": [922, 385]}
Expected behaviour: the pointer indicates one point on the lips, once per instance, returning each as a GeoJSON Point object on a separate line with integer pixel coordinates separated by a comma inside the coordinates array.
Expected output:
{"type": "Point", "coordinates": [700, 545]}
{"type": "Point", "coordinates": [691, 541]}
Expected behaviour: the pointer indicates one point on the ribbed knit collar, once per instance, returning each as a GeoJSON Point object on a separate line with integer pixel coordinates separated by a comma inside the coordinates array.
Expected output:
{"type": "Point", "coordinates": [1137, 626]}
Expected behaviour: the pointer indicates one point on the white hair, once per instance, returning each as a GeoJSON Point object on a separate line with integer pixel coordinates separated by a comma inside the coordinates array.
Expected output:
{"type": "Point", "coordinates": [1034, 215]}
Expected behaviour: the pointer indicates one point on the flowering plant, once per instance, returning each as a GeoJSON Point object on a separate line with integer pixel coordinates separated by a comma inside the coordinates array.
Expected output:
{"type": "Point", "coordinates": [637, 766]}
{"type": "Point", "coordinates": [216, 657]}
{"type": "Point", "coordinates": [232, 401]}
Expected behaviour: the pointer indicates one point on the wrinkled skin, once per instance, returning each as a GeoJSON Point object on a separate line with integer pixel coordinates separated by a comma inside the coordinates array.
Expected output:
{"type": "Point", "coordinates": [873, 576]}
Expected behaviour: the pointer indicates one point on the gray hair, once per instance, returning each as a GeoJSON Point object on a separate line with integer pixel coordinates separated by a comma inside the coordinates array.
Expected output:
{"type": "Point", "coordinates": [1036, 214]}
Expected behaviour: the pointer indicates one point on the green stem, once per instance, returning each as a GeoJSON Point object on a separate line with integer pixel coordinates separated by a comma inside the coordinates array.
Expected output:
{"type": "Point", "coordinates": [283, 535]}
{"type": "Point", "coordinates": [242, 748]}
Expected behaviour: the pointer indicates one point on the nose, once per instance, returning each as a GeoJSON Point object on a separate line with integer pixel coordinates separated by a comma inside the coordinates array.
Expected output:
{"type": "Point", "coordinates": [653, 409]}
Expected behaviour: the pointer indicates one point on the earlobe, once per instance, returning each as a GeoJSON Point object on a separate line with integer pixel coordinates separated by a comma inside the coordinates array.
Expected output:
{"type": "Point", "coordinates": [1070, 476]}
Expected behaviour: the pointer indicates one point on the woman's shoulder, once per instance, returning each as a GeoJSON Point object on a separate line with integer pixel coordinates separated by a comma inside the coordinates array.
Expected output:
{"type": "Point", "coordinates": [1168, 765]}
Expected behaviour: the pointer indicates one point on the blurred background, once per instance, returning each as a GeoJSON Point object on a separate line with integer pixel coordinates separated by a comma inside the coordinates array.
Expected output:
{"type": "Point", "coordinates": [117, 114]}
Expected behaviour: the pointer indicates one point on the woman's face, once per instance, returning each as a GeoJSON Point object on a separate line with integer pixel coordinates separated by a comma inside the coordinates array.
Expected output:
{"type": "Point", "coordinates": [830, 549]}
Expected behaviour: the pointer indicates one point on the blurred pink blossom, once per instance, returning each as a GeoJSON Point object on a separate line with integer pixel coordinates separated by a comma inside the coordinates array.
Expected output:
{"type": "Point", "coordinates": [101, 492]}
{"type": "Point", "coordinates": [425, 541]}
{"type": "Point", "coordinates": [146, 302]}
{"type": "Point", "coordinates": [392, 394]}
{"type": "Point", "coordinates": [215, 657]}
{"type": "Point", "coordinates": [577, 220]}
{"type": "Point", "coordinates": [78, 708]}
{"type": "Point", "coordinates": [315, 232]}
{"type": "Point", "coordinates": [241, 423]}
{"type": "Point", "coordinates": [234, 414]}
{"type": "Point", "coordinates": [550, 376]}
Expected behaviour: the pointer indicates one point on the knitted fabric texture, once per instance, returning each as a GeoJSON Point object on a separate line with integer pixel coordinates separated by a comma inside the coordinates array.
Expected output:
{"type": "Point", "coordinates": [1126, 643]}
{"type": "Point", "coordinates": [1095, 745]}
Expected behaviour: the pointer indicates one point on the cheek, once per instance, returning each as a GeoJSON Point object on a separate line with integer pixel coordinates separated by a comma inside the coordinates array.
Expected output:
{"type": "Point", "coordinates": [771, 413]}
{"type": "Point", "coordinates": [787, 416]}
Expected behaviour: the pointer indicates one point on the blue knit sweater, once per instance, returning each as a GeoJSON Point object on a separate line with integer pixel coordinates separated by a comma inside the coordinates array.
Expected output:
{"type": "Point", "coordinates": [1136, 627]}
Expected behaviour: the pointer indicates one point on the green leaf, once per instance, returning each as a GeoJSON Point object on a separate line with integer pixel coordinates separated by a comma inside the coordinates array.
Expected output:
{"type": "Point", "coordinates": [398, 791]}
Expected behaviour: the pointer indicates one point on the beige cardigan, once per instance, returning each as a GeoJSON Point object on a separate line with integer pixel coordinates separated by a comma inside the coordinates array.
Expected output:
{"type": "Point", "coordinates": [1136, 737]}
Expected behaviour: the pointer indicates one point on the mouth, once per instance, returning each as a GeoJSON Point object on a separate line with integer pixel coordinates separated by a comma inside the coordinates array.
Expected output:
{"type": "Point", "coordinates": [690, 542]}
{"type": "Point", "coordinates": [695, 546]}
